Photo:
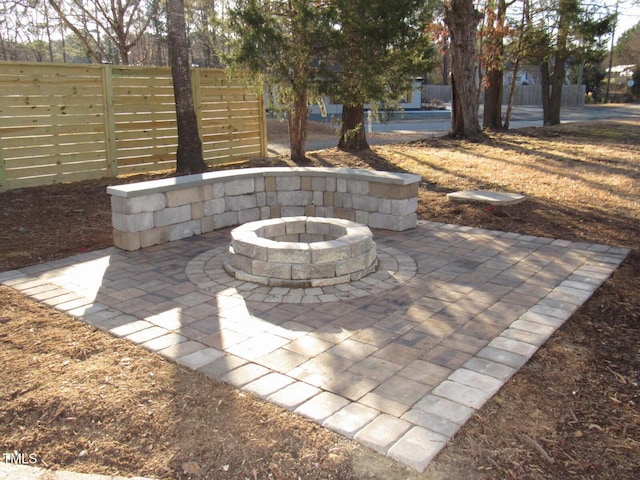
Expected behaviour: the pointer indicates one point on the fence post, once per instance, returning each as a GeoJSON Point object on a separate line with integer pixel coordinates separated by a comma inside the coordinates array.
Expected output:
{"type": "Point", "coordinates": [263, 126]}
{"type": "Point", "coordinates": [109, 122]}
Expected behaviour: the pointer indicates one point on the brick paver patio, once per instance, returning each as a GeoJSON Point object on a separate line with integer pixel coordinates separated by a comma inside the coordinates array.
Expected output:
{"type": "Point", "coordinates": [397, 361]}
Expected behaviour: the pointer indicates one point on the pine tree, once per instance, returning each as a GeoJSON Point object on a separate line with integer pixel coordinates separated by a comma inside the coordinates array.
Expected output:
{"type": "Point", "coordinates": [283, 43]}
{"type": "Point", "coordinates": [378, 49]}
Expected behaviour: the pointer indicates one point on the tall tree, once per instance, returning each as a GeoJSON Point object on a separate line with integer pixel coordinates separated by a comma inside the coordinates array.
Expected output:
{"type": "Point", "coordinates": [189, 154]}
{"type": "Point", "coordinates": [574, 29]}
{"type": "Point", "coordinates": [528, 44]}
{"type": "Point", "coordinates": [627, 49]}
{"type": "Point", "coordinates": [462, 20]}
{"type": "Point", "coordinates": [26, 31]}
{"type": "Point", "coordinates": [101, 25]}
{"type": "Point", "coordinates": [378, 49]}
{"type": "Point", "coordinates": [494, 56]}
{"type": "Point", "coordinates": [204, 22]}
{"type": "Point", "coordinates": [277, 41]}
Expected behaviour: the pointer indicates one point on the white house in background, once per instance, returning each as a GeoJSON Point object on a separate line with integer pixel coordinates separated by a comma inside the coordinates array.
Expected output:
{"type": "Point", "coordinates": [412, 101]}
{"type": "Point", "coordinates": [624, 72]}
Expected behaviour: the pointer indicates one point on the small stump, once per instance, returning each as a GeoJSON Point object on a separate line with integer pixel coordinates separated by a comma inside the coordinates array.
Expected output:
{"type": "Point", "coordinates": [301, 252]}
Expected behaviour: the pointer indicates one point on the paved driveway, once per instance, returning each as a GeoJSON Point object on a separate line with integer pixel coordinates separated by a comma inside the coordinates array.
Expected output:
{"type": "Point", "coordinates": [410, 126]}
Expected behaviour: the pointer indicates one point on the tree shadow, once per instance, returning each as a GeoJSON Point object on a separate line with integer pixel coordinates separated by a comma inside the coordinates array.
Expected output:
{"type": "Point", "coordinates": [368, 159]}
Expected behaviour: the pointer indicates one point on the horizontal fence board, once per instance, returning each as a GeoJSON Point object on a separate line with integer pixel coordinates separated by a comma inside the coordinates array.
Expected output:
{"type": "Point", "coordinates": [57, 170]}
{"type": "Point", "coordinates": [52, 101]}
{"type": "Point", "coordinates": [223, 130]}
{"type": "Point", "coordinates": [54, 120]}
{"type": "Point", "coordinates": [230, 143]}
{"type": "Point", "coordinates": [147, 135]}
{"type": "Point", "coordinates": [146, 160]}
{"type": "Point", "coordinates": [48, 110]}
{"type": "Point", "coordinates": [48, 141]}
{"type": "Point", "coordinates": [60, 159]}
{"type": "Point", "coordinates": [45, 80]}
{"type": "Point", "coordinates": [144, 125]}
{"type": "Point", "coordinates": [240, 155]}
{"type": "Point", "coordinates": [127, 149]}
{"type": "Point", "coordinates": [52, 151]}
{"type": "Point", "coordinates": [233, 145]}
{"type": "Point", "coordinates": [37, 93]}
{"type": "Point", "coordinates": [142, 83]}
{"type": "Point", "coordinates": [133, 102]}
{"type": "Point", "coordinates": [246, 135]}
{"type": "Point", "coordinates": [219, 110]}
{"type": "Point", "coordinates": [157, 112]}
{"type": "Point", "coordinates": [136, 155]}
{"type": "Point", "coordinates": [220, 122]}
{"type": "Point", "coordinates": [128, 170]}
{"type": "Point", "coordinates": [56, 125]}
{"type": "Point", "coordinates": [44, 69]}
{"type": "Point", "coordinates": [32, 132]}
{"type": "Point", "coordinates": [233, 110]}
{"type": "Point", "coordinates": [128, 70]}
{"type": "Point", "coordinates": [137, 107]}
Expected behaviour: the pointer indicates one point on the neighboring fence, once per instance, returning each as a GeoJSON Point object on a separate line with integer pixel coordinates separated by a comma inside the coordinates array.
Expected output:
{"type": "Point", "coordinates": [572, 95]}
{"type": "Point", "coordinates": [61, 122]}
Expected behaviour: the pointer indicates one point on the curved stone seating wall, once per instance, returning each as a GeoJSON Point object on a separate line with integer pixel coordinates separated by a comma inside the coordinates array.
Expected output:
{"type": "Point", "coordinates": [159, 211]}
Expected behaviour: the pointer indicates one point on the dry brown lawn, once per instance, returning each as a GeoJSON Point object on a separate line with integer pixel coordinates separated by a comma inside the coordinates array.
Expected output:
{"type": "Point", "coordinates": [84, 401]}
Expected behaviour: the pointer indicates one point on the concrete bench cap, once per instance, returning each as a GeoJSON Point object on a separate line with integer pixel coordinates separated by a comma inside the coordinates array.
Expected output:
{"type": "Point", "coordinates": [187, 181]}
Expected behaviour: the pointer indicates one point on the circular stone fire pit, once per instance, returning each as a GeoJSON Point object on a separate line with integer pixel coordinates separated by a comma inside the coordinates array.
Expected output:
{"type": "Point", "coordinates": [301, 252]}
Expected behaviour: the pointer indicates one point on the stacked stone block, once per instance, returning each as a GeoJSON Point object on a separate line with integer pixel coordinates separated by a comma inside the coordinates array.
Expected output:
{"type": "Point", "coordinates": [159, 211]}
{"type": "Point", "coordinates": [301, 252]}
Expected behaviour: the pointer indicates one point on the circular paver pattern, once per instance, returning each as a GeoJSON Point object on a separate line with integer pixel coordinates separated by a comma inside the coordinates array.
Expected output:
{"type": "Point", "coordinates": [207, 272]}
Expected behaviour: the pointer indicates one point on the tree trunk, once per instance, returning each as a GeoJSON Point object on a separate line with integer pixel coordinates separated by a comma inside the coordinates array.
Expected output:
{"type": "Point", "coordinates": [552, 92]}
{"type": "Point", "coordinates": [554, 82]}
{"type": "Point", "coordinates": [516, 66]}
{"type": "Point", "coordinates": [298, 128]}
{"type": "Point", "coordinates": [445, 62]}
{"type": "Point", "coordinates": [189, 155]}
{"type": "Point", "coordinates": [545, 85]}
{"type": "Point", "coordinates": [462, 20]}
{"type": "Point", "coordinates": [494, 62]}
{"type": "Point", "coordinates": [352, 134]}
{"type": "Point", "coordinates": [555, 98]}
{"type": "Point", "coordinates": [457, 115]}
{"type": "Point", "coordinates": [492, 115]}
{"type": "Point", "coordinates": [512, 91]}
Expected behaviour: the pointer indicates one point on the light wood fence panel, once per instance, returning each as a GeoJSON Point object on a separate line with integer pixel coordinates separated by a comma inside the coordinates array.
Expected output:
{"type": "Point", "coordinates": [145, 119]}
{"type": "Point", "coordinates": [62, 122]}
{"type": "Point", "coordinates": [51, 124]}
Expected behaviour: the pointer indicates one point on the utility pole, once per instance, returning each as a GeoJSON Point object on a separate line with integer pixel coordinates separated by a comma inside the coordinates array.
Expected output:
{"type": "Point", "coordinates": [613, 35]}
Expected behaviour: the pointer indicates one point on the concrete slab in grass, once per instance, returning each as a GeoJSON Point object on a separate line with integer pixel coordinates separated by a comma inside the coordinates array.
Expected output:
{"type": "Point", "coordinates": [486, 196]}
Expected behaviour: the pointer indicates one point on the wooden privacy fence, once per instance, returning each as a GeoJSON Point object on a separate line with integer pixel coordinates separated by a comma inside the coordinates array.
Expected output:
{"type": "Point", "coordinates": [61, 122]}
{"type": "Point", "coordinates": [572, 95]}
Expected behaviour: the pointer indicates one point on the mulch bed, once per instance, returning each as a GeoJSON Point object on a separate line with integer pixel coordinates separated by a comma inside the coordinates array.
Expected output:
{"type": "Point", "coordinates": [84, 401]}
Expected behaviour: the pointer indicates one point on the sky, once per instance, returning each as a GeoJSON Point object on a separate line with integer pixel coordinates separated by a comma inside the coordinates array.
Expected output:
{"type": "Point", "coordinates": [628, 15]}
